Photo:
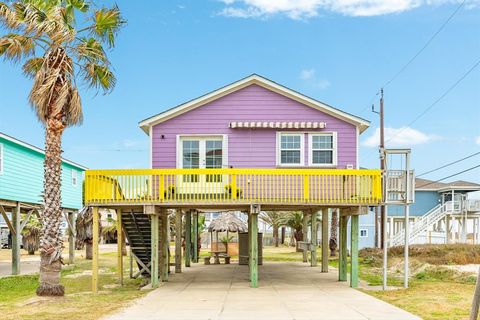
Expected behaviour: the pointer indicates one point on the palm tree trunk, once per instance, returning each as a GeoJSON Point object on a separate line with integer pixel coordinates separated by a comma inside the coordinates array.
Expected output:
{"type": "Point", "coordinates": [275, 236]}
{"type": "Point", "coordinates": [51, 241]}
{"type": "Point", "coordinates": [88, 250]}
{"type": "Point", "coordinates": [333, 233]}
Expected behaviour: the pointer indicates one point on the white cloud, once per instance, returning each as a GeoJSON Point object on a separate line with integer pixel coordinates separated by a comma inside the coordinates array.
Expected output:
{"type": "Point", "coordinates": [477, 140]}
{"type": "Point", "coordinates": [304, 9]}
{"type": "Point", "coordinates": [309, 76]}
{"type": "Point", "coordinates": [400, 137]}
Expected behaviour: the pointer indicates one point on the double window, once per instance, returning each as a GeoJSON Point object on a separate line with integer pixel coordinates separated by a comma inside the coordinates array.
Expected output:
{"type": "Point", "coordinates": [322, 149]}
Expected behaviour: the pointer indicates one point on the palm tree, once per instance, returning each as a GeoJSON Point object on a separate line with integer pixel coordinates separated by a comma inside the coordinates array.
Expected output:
{"type": "Point", "coordinates": [84, 228]}
{"type": "Point", "coordinates": [31, 235]}
{"type": "Point", "coordinates": [294, 220]}
{"type": "Point", "coordinates": [59, 41]}
{"type": "Point", "coordinates": [273, 219]}
{"type": "Point", "coordinates": [109, 233]}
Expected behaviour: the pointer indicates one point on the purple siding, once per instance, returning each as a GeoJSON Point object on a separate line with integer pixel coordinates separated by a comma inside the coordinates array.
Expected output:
{"type": "Point", "coordinates": [249, 148]}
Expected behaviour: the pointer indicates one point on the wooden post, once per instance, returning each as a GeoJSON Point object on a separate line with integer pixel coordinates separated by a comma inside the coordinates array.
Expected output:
{"type": "Point", "coordinates": [305, 234]}
{"type": "Point", "coordinates": [131, 263]}
{"type": "Point", "coordinates": [178, 241]}
{"type": "Point", "coordinates": [165, 244]}
{"type": "Point", "coordinates": [16, 240]}
{"type": "Point", "coordinates": [154, 251]}
{"type": "Point", "coordinates": [354, 253]}
{"type": "Point", "coordinates": [313, 236]}
{"type": "Point", "coordinates": [195, 237]}
{"type": "Point", "coordinates": [447, 229]}
{"type": "Point", "coordinates": [342, 253]}
{"type": "Point", "coordinates": [119, 247]}
{"type": "Point", "coordinates": [476, 300]}
{"type": "Point", "coordinates": [95, 230]}
{"type": "Point", "coordinates": [188, 233]}
{"type": "Point", "coordinates": [253, 258]}
{"type": "Point", "coordinates": [325, 239]}
{"type": "Point", "coordinates": [71, 238]}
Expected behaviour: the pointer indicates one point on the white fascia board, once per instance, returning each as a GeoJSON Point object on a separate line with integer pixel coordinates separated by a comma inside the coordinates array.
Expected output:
{"type": "Point", "coordinates": [263, 82]}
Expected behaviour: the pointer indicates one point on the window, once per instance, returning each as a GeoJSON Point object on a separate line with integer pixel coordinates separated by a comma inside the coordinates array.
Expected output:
{"type": "Point", "coordinates": [322, 149]}
{"type": "Point", "coordinates": [191, 158]}
{"type": "Point", "coordinates": [1, 158]}
{"type": "Point", "coordinates": [290, 146]}
{"type": "Point", "coordinates": [363, 233]}
{"type": "Point", "coordinates": [74, 178]}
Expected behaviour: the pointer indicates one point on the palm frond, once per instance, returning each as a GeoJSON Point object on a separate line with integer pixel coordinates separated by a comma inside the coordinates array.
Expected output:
{"type": "Point", "coordinates": [8, 16]}
{"type": "Point", "coordinates": [73, 110]}
{"type": "Point", "coordinates": [107, 23]}
{"type": "Point", "coordinates": [99, 76]}
{"type": "Point", "coordinates": [91, 50]}
{"type": "Point", "coordinates": [16, 46]}
{"type": "Point", "coordinates": [32, 66]}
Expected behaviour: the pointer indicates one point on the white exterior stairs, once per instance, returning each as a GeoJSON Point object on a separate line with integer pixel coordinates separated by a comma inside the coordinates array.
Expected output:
{"type": "Point", "coordinates": [422, 224]}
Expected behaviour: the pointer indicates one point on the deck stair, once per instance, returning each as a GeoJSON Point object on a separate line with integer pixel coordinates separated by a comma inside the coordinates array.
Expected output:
{"type": "Point", "coordinates": [421, 225]}
{"type": "Point", "coordinates": [136, 226]}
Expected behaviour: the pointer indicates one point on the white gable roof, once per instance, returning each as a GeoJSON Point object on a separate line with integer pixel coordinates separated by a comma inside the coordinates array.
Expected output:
{"type": "Point", "coordinates": [362, 124]}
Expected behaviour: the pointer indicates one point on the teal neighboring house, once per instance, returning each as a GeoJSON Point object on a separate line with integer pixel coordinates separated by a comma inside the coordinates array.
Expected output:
{"type": "Point", "coordinates": [21, 175]}
{"type": "Point", "coordinates": [21, 192]}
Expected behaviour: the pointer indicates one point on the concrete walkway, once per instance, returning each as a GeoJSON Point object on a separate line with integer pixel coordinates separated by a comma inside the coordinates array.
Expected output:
{"type": "Point", "coordinates": [286, 291]}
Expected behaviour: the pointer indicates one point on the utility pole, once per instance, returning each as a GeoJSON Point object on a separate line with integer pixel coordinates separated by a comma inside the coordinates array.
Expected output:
{"type": "Point", "coordinates": [382, 210]}
{"type": "Point", "coordinates": [383, 213]}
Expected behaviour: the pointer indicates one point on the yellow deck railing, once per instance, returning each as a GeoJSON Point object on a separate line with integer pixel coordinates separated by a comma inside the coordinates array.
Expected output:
{"type": "Point", "coordinates": [225, 186]}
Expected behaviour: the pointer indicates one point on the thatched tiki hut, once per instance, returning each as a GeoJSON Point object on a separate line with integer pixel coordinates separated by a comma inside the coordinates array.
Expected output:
{"type": "Point", "coordinates": [226, 222]}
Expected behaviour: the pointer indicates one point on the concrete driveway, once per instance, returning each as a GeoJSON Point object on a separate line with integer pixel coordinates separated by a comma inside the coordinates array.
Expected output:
{"type": "Point", "coordinates": [286, 291]}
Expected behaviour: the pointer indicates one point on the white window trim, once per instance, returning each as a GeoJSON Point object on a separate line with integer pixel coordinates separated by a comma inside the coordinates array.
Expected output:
{"type": "Point", "coordinates": [74, 177]}
{"type": "Point", "coordinates": [310, 150]}
{"type": "Point", "coordinates": [360, 233]}
{"type": "Point", "coordinates": [279, 149]}
{"type": "Point", "coordinates": [223, 137]}
{"type": "Point", "coordinates": [1, 158]}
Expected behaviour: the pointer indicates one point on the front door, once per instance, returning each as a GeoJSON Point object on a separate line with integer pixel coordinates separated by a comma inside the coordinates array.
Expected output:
{"type": "Point", "coordinates": [201, 153]}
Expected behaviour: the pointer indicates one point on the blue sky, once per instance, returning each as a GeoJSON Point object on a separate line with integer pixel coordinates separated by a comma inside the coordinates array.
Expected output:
{"type": "Point", "coordinates": [340, 52]}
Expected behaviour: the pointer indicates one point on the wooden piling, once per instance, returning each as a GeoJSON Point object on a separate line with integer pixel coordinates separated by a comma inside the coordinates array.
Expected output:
{"type": "Point", "coordinates": [119, 247]}
{"type": "Point", "coordinates": [154, 251]}
{"type": "Point", "coordinates": [178, 241]}
{"type": "Point", "coordinates": [342, 252]}
{"type": "Point", "coordinates": [354, 253]}
{"type": "Point", "coordinates": [188, 233]}
{"type": "Point", "coordinates": [305, 234]}
{"type": "Point", "coordinates": [16, 239]}
{"type": "Point", "coordinates": [71, 237]}
{"type": "Point", "coordinates": [164, 242]}
{"type": "Point", "coordinates": [325, 239]}
{"type": "Point", "coordinates": [253, 258]}
{"type": "Point", "coordinates": [314, 240]}
{"type": "Point", "coordinates": [195, 237]}
{"type": "Point", "coordinates": [95, 230]}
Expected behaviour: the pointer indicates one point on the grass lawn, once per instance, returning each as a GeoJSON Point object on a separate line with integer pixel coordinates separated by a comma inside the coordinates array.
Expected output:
{"type": "Point", "coordinates": [18, 299]}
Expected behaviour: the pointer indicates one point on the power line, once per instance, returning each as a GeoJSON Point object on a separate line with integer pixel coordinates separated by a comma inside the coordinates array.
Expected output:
{"type": "Point", "coordinates": [449, 164]}
{"type": "Point", "coordinates": [437, 100]}
{"type": "Point", "coordinates": [450, 176]}
{"type": "Point", "coordinates": [425, 45]}
{"type": "Point", "coordinates": [418, 52]}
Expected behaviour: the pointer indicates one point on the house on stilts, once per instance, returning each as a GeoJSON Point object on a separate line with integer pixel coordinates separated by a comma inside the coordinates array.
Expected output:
{"type": "Point", "coordinates": [21, 192]}
{"type": "Point", "coordinates": [249, 146]}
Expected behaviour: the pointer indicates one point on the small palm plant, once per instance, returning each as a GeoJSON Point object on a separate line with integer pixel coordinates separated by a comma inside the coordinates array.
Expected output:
{"type": "Point", "coordinates": [31, 235]}
{"type": "Point", "coordinates": [274, 220]}
{"type": "Point", "coordinates": [294, 220]}
{"type": "Point", "coordinates": [59, 42]}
